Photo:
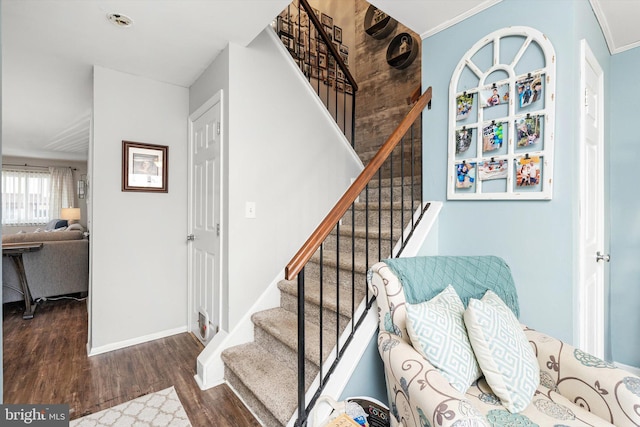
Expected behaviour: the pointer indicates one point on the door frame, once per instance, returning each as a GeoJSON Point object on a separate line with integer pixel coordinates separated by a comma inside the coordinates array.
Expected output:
{"type": "Point", "coordinates": [590, 304]}
{"type": "Point", "coordinates": [223, 311]}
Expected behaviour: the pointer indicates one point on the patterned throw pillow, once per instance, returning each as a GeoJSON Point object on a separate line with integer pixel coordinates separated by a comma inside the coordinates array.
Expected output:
{"type": "Point", "coordinates": [437, 331]}
{"type": "Point", "coordinates": [505, 356]}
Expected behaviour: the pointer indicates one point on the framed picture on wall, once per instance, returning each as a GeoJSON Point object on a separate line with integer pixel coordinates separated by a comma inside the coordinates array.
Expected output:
{"type": "Point", "coordinates": [284, 26]}
{"type": "Point", "coordinates": [145, 167]}
{"type": "Point", "coordinates": [322, 60]}
{"type": "Point", "coordinates": [337, 34]}
{"type": "Point", "coordinates": [326, 20]}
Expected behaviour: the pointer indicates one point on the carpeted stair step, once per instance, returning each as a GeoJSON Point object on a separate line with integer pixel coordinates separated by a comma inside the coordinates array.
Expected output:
{"type": "Point", "coordinates": [330, 308]}
{"type": "Point", "coordinates": [378, 241]}
{"type": "Point", "coordinates": [380, 213]}
{"type": "Point", "coordinates": [264, 372]}
{"type": "Point", "coordinates": [277, 330]}
{"type": "Point", "coordinates": [329, 271]}
{"type": "Point", "coordinates": [386, 186]}
{"type": "Point", "coordinates": [268, 386]}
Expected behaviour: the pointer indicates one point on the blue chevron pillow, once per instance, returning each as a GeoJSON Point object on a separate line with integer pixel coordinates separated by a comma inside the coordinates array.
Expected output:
{"type": "Point", "coordinates": [437, 331]}
{"type": "Point", "coordinates": [503, 352]}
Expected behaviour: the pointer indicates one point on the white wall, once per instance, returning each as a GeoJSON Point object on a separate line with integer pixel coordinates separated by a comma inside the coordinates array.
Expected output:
{"type": "Point", "coordinates": [138, 240]}
{"type": "Point", "coordinates": [282, 152]}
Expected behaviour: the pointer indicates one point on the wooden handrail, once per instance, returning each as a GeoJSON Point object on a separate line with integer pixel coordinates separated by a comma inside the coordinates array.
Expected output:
{"type": "Point", "coordinates": [307, 250]}
{"type": "Point", "coordinates": [329, 43]}
{"type": "Point", "coordinates": [415, 94]}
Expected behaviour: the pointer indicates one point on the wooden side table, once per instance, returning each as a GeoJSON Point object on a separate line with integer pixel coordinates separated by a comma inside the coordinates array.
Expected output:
{"type": "Point", "coordinates": [15, 251]}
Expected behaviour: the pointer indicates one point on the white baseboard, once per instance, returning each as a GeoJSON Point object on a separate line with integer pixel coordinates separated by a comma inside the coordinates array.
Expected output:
{"type": "Point", "coordinates": [134, 341]}
{"type": "Point", "coordinates": [634, 370]}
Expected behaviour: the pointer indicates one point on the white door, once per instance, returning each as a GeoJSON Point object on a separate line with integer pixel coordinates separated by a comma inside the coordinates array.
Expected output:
{"type": "Point", "coordinates": [591, 300]}
{"type": "Point", "coordinates": [204, 221]}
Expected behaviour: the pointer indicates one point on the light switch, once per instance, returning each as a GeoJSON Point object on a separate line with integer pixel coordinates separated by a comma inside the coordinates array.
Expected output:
{"type": "Point", "coordinates": [250, 210]}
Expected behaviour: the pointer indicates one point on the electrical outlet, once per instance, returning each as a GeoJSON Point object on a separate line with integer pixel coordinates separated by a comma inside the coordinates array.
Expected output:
{"type": "Point", "coordinates": [250, 210]}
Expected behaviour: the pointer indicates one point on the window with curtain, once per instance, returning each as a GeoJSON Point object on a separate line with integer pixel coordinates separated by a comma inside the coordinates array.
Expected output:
{"type": "Point", "coordinates": [25, 197]}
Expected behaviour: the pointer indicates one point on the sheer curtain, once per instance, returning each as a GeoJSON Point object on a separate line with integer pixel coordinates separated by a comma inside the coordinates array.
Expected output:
{"type": "Point", "coordinates": [25, 197]}
{"type": "Point", "coordinates": [62, 191]}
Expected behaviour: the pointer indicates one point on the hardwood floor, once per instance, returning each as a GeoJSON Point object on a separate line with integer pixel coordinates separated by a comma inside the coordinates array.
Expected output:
{"type": "Point", "coordinates": [45, 361]}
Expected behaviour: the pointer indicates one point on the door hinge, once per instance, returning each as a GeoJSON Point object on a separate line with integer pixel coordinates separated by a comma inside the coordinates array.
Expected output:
{"type": "Point", "coordinates": [218, 230]}
{"type": "Point", "coordinates": [218, 128]}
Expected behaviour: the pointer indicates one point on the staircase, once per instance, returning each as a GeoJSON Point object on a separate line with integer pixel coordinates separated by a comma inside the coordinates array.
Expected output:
{"type": "Point", "coordinates": [264, 372]}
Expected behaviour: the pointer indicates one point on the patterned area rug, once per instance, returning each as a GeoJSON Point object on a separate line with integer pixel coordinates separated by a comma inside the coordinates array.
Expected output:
{"type": "Point", "coordinates": [162, 408]}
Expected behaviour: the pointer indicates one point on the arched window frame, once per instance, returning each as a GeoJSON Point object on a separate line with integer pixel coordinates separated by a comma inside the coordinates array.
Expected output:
{"type": "Point", "coordinates": [544, 191]}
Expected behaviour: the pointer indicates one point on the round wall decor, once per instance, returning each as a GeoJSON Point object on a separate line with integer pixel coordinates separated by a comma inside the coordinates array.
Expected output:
{"type": "Point", "coordinates": [378, 24]}
{"type": "Point", "coordinates": [402, 51]}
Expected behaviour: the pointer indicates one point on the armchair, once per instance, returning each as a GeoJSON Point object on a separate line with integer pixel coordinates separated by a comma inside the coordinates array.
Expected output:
{"type": "Point", "coordinates": [576, 389]}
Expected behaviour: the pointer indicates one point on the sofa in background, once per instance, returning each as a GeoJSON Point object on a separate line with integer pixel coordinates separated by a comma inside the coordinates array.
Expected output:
{"type": "Point", "coordinates": [60, 267]}
{"type": "Point", "coordinates": [574, 389]}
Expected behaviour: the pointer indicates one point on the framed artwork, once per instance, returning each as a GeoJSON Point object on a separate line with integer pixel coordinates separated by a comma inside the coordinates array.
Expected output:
{"type": "Point", "coordinates": [284, 26]}
{"type": "Point", "coordinates": [322, 60]}
{"type": "Point", "coordinates": [326, 20]}
{"type": "Point", "coordinates": [145, 167]}
{"type": "Point", "coordinates": [501, 126]}
{"type": "Point", "coordinates": [337, 34]}
{"type": "Point", "coordinates": [288, 42]}
{"type": "Point", "coordinates": [328, 31]}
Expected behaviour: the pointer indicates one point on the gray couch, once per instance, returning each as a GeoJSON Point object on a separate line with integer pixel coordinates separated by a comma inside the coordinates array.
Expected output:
{"type": "Point", "coordinates": [60, 267]}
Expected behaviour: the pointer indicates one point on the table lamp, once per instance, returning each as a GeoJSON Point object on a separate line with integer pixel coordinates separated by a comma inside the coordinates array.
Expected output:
{"type": "Point", "coordinates": [70, 214]}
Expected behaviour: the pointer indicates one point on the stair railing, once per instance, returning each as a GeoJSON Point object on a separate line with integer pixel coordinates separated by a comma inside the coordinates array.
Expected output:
{"type": "Point", "coordinates": [303, 34]}
{"type": "Point", "coordinates": [383, 163]}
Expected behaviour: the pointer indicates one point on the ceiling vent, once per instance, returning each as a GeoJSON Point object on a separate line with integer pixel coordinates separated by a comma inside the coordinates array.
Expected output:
{"type": "Point", "coordinates": [120, 20]}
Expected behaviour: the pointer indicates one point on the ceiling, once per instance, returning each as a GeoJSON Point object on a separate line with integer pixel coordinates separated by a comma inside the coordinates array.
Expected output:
{"type": "Point", "coordinates": [50, 46]}
{"type": "Point", "coordinates": [618, 18]}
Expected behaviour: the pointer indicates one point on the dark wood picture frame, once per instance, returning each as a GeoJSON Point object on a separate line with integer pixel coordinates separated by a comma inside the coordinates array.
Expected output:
{"type": "Point", "coordinates": [145, 167]}
{"type": "Point", "coordinates": [337, 34]}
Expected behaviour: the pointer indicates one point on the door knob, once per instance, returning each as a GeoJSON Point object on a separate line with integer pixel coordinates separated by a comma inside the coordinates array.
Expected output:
{"type": "Point", "coordinates": [602, 257]}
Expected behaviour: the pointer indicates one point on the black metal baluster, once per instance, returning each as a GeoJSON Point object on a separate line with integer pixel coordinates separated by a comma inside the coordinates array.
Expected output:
{"type": "Point", "coordinates": [301, 376]}
{"type": "Point", "coordinates": [391, 199]}
{"type": "Point", "coordinates": [366, 243]}
{"type": "Point", "coordinates": [353, 263]}
{"type": "Point", "coordinates": [401, 192]}
{"type": "Point", "coordinates": [413, 194]}
{"type": "Point", "coordinates": [337, 290]}
{"type": "Point", "coordinates": [380, 214]}
{"type": "Point", "coordinates": [322, 379]}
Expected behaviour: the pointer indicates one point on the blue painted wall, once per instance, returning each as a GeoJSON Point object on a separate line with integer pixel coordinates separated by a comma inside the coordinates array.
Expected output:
{"type": "Point", "coordinates": [545, 267]}
{"type": "Point", "coordinates": [536, 238]}
{"type": "Point", "coordinates": [625, 208]}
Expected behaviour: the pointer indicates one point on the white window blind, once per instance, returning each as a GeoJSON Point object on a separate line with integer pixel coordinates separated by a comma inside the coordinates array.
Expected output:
{"type": "Point", "coordinates": [25, 197]}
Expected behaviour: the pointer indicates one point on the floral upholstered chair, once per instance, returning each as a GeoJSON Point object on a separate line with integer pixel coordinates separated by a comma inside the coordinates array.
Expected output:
{"type": "Point", "coordinates": [569, 387]}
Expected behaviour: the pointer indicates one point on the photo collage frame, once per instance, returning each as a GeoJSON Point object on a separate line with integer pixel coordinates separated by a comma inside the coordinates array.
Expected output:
{"type": "Point", "coordinates": [501, 128]}
{"type": "Point", "coordinates": [307, 46]}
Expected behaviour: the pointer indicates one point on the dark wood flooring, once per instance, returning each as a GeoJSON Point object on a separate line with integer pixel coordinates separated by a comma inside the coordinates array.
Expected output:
{"type": "Point", "coordinates": [45, 361]}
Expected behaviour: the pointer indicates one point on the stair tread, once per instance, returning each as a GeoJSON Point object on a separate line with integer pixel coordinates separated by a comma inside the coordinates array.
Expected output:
{"type": "Point", "coordinates": [283, 325]}
{"type": "Point", "coordinates": [386, 182]}
{"type": "Point", "coordinates": [312, 294]}
{"type": "Point", "coordinates": [263, 375]}
{"type": "Point", "coordinates": [373, 232]}
{"type": "Point", "coordinates": [329, 258]}
{"type": "Point", "coordinates": [385, 206]}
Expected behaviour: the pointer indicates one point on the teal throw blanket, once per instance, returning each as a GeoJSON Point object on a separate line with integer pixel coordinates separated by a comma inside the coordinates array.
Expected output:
{"type": "Point", "coordinates": [471, 276]}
